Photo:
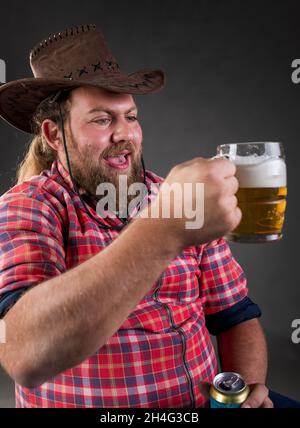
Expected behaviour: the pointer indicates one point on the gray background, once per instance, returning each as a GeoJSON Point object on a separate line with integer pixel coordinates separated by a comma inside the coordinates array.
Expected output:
{"type": "Point", "coordinates": [228, 66]}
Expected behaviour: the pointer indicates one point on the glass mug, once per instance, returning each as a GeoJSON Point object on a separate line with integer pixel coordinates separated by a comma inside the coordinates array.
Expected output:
{"type": "Point", "coordinates": [261, 172]}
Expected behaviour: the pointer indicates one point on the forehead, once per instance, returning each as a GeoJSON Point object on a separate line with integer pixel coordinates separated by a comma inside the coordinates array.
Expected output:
{"type": "Point", "coordinates": [85, 98]}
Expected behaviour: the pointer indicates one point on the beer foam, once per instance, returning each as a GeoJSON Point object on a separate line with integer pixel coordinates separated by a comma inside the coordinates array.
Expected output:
{"type": "Point", "coordinates": [260, 171]}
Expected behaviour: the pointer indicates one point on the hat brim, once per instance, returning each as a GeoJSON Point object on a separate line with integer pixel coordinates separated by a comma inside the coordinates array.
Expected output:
{"type": "Point", "coordinates": [20, 98]}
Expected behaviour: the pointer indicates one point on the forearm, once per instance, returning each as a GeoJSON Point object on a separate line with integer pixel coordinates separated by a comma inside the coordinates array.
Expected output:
{"type": "Point", "coordinates": [243, 349]}
{"type": "Point", "coordinates": [61, 322]}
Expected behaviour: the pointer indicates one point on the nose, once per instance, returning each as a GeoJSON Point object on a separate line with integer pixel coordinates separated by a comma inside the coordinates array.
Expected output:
{"type": "Point", "coordinates": [122, 131]}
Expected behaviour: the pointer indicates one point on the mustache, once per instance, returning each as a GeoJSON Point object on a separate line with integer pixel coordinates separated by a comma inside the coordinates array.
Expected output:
{"type": "Point", "coordinates": [113, 151]}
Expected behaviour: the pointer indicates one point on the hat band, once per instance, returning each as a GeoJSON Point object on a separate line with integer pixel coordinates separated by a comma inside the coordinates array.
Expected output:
{"type": "Point", "coordinates": [99, 67]}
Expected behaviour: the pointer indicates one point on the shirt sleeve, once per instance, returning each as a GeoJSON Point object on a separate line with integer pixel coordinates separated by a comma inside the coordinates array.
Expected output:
{"type": "Point", "coordinates": [223, 289]}
{"type": "Point", "coordinates": [31, 246]}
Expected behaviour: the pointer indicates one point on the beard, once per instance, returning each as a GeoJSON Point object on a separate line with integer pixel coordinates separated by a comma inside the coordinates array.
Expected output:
{"type": "Point", "coordinates": [89, 172]}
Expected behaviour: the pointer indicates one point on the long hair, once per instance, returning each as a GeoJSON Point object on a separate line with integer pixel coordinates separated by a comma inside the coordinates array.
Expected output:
{"type": "Point", "coordinates": [39, 154]}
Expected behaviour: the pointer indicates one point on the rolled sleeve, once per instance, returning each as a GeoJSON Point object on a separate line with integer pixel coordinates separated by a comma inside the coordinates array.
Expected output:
{"type": "Point", "coordinates": [7, 300]}
{"type": "Point", "coordinates": [242, 311]}
{"type": "Point", "coordinates": [222, 282]}
{"type": "Point", "coordinates": [31, 246]}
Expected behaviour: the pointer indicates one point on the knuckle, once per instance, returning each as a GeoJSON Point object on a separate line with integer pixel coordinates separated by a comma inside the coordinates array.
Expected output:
{"type": "Point", "coordinates": [232, 204]}
{"type": "Point", "coordinates": [227, 204]}
{"type": "Point", "coordinates": [235, 184]}
{"type": "Point", "coordinates": [231, 223]}
{"type": "Point", "coordinates": [213, 175]}
{"type": "Point", "coordinates": [232, 220]}
{"type": "Point", "coordinates": [233, 167]}
{"type": "Point", "coordinates": [220, 203]}
{"type": "Point", "coordinates": [173, 171]}
{"type": "Point", "coordinates": [239, 215]}
{"type": "Point", "coordinates": [195, 162]}
{"type": "Point", "coordinates": [234, 201]}
{"type": "Point", "coordinates": [269, 404]}
{"type": "Point", "coordinates": [228, 221]}
{"type": "Point", "coordinates": [177, 168]}
{"type": "Point", "coordinates": [228, 165]}
{"type": "Point", "coordinates": [254, 403]}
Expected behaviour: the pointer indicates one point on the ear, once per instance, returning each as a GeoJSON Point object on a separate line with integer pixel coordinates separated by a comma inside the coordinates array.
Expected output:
{"type": "Point", "coordinates": [51, 134]}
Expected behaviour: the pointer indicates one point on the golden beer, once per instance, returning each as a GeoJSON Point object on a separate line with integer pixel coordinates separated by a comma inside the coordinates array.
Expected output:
{"type": "Point", "coordinates": [261, 172]}
{"type": "Point", "coordinates": [263, 212]}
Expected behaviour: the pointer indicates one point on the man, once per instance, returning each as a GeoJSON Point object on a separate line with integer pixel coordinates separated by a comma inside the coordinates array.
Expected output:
{"type": "Point", "coordinates": [102, 312]}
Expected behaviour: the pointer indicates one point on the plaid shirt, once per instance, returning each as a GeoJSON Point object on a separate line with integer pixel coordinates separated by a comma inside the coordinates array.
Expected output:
{"type": "Point", "coordinates": [163, 349]}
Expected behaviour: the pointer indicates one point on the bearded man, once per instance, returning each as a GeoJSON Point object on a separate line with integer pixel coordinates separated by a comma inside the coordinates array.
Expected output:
{"type": "Point", "coordinates": [102, 311]}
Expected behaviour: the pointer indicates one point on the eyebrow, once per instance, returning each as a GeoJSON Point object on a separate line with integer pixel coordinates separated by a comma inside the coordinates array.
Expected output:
{"type": "Point", "coordinates": [108, 110]}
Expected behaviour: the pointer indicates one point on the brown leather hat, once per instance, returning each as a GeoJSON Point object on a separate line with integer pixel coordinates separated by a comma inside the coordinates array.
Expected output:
{"type": "Point", "coordinates": [74, 57]}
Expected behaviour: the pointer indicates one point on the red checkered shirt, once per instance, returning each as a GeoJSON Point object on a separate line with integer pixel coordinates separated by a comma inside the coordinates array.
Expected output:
{"type": "Point", "coordinates": [163, 349]}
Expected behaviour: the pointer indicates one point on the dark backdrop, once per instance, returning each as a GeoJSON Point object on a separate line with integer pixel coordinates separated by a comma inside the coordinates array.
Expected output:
{"type": "Point", "coordinates": [228, 66]}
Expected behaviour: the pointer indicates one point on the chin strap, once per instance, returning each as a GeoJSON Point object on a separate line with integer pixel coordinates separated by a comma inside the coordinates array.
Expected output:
{"type": "Point", "coordinates": [54, 99]}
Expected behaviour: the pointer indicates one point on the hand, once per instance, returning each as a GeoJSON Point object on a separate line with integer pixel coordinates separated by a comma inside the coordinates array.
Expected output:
{"type": "Point", "coordinates": [221, 213]}
{"type": "Point", "coordinates": [258, 397]}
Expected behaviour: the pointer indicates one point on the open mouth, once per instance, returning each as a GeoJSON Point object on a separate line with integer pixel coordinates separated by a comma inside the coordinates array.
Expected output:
{"type": "Point", "coordinates": [119, 161]}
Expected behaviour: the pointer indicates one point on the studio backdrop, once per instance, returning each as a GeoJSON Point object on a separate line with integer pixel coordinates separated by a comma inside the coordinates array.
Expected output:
{"type": "Point", "coordinates": [232, 76]}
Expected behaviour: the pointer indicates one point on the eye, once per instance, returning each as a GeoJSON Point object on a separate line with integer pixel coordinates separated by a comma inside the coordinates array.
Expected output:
{"type": "Point", "coordinates": [102, 121]}
{"type": "Point", "coordinates": [132, 118]}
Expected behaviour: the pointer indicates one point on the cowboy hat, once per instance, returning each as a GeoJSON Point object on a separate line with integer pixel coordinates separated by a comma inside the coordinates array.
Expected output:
{"type": "Point", "coordinates": [74, 57]}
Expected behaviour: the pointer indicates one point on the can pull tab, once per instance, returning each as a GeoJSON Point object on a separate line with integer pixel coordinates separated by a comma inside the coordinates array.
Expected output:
{"type": "Point", "coordinates": [229, 384]}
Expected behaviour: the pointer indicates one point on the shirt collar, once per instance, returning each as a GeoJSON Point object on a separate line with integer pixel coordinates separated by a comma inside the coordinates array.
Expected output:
{"type": "Point", "coordinates": [63, 176]}
{"type": "Point", "coordinates": [57, 166]}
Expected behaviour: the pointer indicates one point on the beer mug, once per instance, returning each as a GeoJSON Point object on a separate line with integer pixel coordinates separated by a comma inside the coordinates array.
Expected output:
{"type": "Point", "coordinates": [261, 172]}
